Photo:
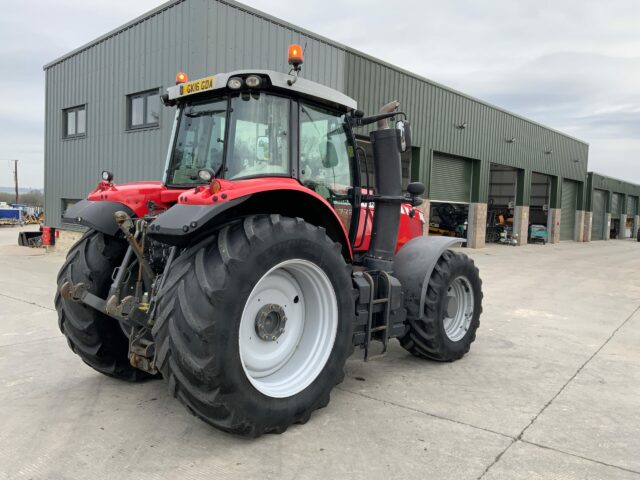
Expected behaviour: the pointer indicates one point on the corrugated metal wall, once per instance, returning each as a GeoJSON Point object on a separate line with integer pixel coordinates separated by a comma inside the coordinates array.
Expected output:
{"type": "Point", "coordinates": [502, 185]}
{"type": "Point", "coordinates": [539, 190]}
{"type": "Point", "coordinates": [197, 36]}
{"type": "Point", "coordinates": [436, 112]}
{"type": "Point", "coordinates": [599, 208]}
{"type": "Point", "coordinates": [632, 206]}
{"type": "Point", "coordinates": [616, 204]}
{"type": "Point", "coordinates": [568, 209]}
{"type": "Point", "coordinates": [450, 179]}
{"type": "Point", "coordinates": [208, 36]}
{"type": "Point", "coordinates": [614, 187]}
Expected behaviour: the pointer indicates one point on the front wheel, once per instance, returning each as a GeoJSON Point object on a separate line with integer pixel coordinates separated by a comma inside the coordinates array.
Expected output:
{"type": "Point", "coordinates": [255, 324]}
{"type": "Point", "coordinates": [451, 312]}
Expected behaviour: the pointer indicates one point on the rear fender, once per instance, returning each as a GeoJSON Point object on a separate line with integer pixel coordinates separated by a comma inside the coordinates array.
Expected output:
{"type": "Point", "coordinates": [185, 224]}
{"type": "Point", "coordinates": [413, 266]}
{"type": "Point", "coordinates": [97, 215]}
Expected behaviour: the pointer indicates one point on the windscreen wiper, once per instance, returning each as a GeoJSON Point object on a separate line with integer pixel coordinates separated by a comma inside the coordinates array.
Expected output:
{"type": "Point", "coordinates": [204, 112]}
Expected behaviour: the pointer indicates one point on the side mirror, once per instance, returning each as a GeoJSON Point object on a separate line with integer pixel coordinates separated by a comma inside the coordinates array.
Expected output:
{"type": "Point", "coordinates": [330, 159]}
{"type": "Point", "coordinates": [405, 134]}
{"type": "Point", "coordinates": [415, 189]}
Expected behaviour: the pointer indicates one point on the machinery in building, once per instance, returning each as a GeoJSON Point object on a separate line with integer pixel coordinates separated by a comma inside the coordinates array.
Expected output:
{"type": "Point", "coordinates": [246, 278]}
{"type": "Point", "coordinates": [448, 219]}
{"type": "Point", "coordinates": [538, 233]}
{"type": "Point", "coordinates": [500, 225]}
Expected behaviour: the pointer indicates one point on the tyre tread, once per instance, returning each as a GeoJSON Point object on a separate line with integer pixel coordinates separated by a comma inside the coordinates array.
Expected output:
{"type": "Point", "coordinates": [185, 355]}
{"type": "Point", "coordinates": [94, 337]}
{"type": "Point", "coordinates": [423, 338]}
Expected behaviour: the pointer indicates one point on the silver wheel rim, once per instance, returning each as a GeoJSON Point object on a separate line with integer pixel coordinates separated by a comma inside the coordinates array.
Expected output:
{"type": "Point", "coordinates": [285, 358]}
{"type": "Point", "coordinates": [459, 309]}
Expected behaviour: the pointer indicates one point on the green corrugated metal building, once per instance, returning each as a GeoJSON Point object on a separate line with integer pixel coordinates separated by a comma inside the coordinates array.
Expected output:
{"type": "Point", "coordinates": [102, 112]}
{"type": "Point", "coordinates": [613, 206]}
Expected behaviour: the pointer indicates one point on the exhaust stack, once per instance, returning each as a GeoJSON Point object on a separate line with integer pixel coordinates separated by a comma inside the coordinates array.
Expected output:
{"type": "Point", "coordinates": [388, 195]}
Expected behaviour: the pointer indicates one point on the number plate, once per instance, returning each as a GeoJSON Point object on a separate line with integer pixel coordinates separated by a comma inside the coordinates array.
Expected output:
{"type": "Point", "coordinates": [197, 86]}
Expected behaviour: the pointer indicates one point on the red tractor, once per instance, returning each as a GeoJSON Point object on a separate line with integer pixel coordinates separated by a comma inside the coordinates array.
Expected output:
{"type": "Point", "coordinates": [246, 278]}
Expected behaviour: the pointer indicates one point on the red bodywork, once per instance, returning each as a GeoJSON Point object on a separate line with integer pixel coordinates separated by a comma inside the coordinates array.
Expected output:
{"type": "Point", "coordinates": [138, 195]}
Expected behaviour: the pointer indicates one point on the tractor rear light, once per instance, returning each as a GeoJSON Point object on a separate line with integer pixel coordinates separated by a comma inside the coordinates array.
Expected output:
{"type": "Point", "coordinates": [296, 57]}
{"type": "Point", "coordinates": [253, 81]}
{"type": "Point", "coordinates": [181, 77]}
{"type": "Point", "coordinates": [215, 187]}
{"type": "Point", "coordinates": [235, 83]}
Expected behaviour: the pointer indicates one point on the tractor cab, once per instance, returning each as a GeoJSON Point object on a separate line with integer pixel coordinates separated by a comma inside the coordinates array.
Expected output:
{"type": "Point", "coordinates": [254, 124]}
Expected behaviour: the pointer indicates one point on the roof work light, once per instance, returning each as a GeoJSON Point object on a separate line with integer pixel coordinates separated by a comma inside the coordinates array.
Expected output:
{"type": "Point", "coordinates": [253, 81]}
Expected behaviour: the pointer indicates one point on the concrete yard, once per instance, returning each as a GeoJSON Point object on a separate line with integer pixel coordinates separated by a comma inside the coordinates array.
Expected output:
{"type": "Point", "coordinates": [551, 389]}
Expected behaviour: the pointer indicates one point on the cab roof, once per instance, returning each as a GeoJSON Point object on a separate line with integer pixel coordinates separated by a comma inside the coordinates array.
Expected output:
{"type": "Point", "coordinates": [279, 81]}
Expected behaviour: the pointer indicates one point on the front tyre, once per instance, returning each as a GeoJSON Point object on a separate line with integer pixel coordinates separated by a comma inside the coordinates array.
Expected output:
{"type": "Point", "coordinates": [255, 324]}
{"type": "Point", "coordinates": [451, 312]}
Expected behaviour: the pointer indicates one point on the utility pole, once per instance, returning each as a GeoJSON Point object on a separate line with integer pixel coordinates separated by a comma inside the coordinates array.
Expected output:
{"type": "Point", "coordinates": [15, 179]}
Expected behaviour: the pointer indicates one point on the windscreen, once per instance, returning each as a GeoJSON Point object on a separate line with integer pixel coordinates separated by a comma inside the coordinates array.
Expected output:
{"type": "Point", "coordinates": [256, 143]}
{"type": "Point", "coordinates": [199, 143]}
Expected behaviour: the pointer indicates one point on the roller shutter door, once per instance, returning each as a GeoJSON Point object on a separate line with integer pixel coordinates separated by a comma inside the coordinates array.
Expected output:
{"type": "Point", "coordinates": [632, 206]}
{"type": "Point", "coordinates": [598, 207]}
{"type": "Point", "coordinates": [450, 179]}
{"type": "Point", "coordinates": [616, 203]}
{"type": "Point", "coordinates": [569, 205]}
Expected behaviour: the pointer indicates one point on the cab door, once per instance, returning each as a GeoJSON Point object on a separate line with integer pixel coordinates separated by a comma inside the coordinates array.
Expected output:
{"type": "Point", "coordinates": [327, 158]}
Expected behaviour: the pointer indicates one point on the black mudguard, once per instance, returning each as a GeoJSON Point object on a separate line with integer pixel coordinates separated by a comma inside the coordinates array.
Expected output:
{"type": "Point", "coordinates": [96, 215]}
{"type": "Point", "coordinates": [182, 222]}
{"type": "Point", "coordinates": [413, 266]}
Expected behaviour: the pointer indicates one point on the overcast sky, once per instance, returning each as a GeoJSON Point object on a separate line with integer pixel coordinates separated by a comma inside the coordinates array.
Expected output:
{"type": "Point", "coordinates": [573, 65]}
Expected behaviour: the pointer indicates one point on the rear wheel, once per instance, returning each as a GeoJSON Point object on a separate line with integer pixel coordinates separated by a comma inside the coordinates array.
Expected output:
{"type": "Point", "coordinates": [95, 337]}
{"type": "Point", "coordinates": [451, 313]}
{"type": "Point", "coordinates": [255, 323]}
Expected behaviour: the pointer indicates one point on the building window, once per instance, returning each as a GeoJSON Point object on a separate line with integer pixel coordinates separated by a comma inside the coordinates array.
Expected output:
{"type": "Point", "coordinates": [75, 121]}
{"type": "Point", "coordinates": [68, 202]}
{"type": "Point", "coordinates": [143, 109]}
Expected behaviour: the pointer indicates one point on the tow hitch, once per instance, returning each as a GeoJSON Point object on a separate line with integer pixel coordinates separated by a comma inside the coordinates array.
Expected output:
{"type": "Point", "coordinates": [130, 300]}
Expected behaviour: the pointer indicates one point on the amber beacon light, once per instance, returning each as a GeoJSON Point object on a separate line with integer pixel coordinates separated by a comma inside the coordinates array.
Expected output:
{"type": "Point", "coordinates": [296, 56]}
{"type": "Point", "coordinates": [181, 77]}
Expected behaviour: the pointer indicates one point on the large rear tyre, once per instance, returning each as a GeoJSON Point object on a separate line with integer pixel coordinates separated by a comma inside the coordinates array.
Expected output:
{"type": "Point", "coordinates": [451, 313]}
{"type": "Point", "coordinates": [255, 324]}
{"type": "Point", "coordinates": [95, 337]}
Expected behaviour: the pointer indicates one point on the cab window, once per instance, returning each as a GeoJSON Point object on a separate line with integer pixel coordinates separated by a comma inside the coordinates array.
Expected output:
{"type": "Point", "coordinates": [258, 137]}
{"type": "Point", "coordinates": [200, 141]}
{"type": "Point", "coordinates": [325, 154]}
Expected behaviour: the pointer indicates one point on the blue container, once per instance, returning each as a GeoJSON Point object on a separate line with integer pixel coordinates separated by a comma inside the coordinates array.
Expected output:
{"type": "Point", "coordinates": [9, 214]}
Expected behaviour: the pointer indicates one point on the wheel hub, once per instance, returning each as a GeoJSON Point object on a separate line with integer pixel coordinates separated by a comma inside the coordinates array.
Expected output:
{"type": "Point", "coordinates": [452, 306]}
{"type": "Point", "coordinates": [270, 322]}
{"type": "Point", "coordinates": [458, 309]}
